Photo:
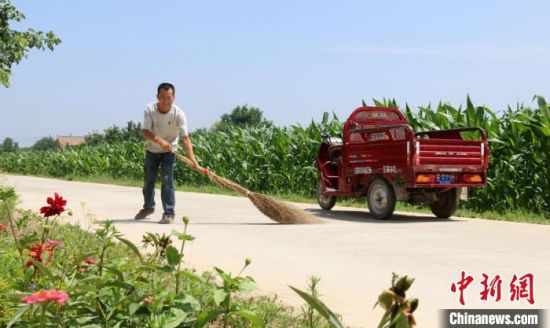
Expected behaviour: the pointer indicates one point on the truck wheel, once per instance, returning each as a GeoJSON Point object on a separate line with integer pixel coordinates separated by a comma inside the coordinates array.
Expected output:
{"type": "Point", "coordinates": [381, 199]}
{"type": "Point", "coordinates": [326, 202]}
{"type": "Point", "coordinates": [446, 204]}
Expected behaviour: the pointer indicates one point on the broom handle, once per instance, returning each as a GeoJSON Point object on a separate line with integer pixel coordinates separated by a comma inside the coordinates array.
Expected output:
{"type": "Point", "coordinates": [185, 160]}
{"type": "Point", "coordinates": [209, 174]}
{"type": "Point", "coordinates": [206, 172]}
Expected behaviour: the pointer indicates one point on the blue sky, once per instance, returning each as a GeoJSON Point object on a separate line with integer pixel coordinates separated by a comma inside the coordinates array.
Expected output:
{"type": "Point", "coordinates": [293, 59]}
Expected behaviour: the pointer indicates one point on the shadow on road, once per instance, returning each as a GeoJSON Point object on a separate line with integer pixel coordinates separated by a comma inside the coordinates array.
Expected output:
{"type": "Point", "coordinates": [131, 221]}
{"type": "Point", "coordinates": [236, 223]}
{"type": "Point", "coordinates": [337, 215]}
{"type": "Point", "coordinates": [362, 216]}
{"type": "Point", "coordinates": [154, 221]}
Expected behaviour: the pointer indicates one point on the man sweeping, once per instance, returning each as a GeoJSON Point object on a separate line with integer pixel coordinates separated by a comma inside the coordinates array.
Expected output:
{"type": "Point", "coordinates": [164, 123]}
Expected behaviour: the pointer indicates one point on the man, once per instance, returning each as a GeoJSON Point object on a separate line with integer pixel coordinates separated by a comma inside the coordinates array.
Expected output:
{"type": "Point", "coordinates": [164, 123]}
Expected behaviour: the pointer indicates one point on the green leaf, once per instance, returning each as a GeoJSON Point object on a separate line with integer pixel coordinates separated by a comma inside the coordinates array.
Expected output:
{"type": "Point", "coordinates": [119, 284]}
{"type": "Point", "coordinates": [182, 236]}
{"type": "Point", "coordinates": [222, 274]}
{"type": "Point", "coordinates": [131, 246]}
{"type": "Point", "coordinates": [18, 315]}
{"type": "Point", "coordinates": [177, 319]}
{"type": "Point", "coordinates": [192, 276]}
{"type": "Point", "coordinates": [189, 302]}
{"type": "Point", "coordinates": [7, 193]}
{"type": "Point", "coordinates": [205, 317]}
{"type": "Point", "coordinates": [132, 308]}
{"type": "Point", "coordinates": [219, 296]}
{"type": "Point", "coordinates": [402, 321]}
{"type": "Point", "coordinates": [83, 320]}
{"type": "Point", "coordinates": [251, 317]}
{"type": "Point", "coordinates": [246, 285]}
{"type": "Point", "coordinates": [320, 307]}
{"type": "Point", "coordinates": [116, 272]}
{"type": "Point", "coordinates": [173, 256]}
{"type": "Point", "coordinates": [385, 319]}
{"type": "Point", "coordinates": [378, 103]}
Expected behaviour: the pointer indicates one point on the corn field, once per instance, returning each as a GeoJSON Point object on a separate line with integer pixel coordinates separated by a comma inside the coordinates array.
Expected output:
{"type": "Point", "coordinates": [280, 160]}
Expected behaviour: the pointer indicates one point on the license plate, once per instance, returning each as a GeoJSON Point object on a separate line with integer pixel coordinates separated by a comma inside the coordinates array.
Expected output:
{"type": "Point", "coordinates": [444, 179]}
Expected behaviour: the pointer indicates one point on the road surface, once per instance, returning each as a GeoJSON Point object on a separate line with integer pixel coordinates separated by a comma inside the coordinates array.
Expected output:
{"type": "Point", "coordinates": [353, 254]}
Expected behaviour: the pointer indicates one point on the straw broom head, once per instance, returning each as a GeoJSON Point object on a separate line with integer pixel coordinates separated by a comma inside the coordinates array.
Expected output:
{"type": "Point", "coordinates": [274, 209]}
{"type": "Point", "coordinates": [279, 211]}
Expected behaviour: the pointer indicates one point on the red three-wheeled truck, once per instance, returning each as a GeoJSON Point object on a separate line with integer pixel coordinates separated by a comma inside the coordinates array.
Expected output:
{"type": "Point", "coordinates": [381, 158]}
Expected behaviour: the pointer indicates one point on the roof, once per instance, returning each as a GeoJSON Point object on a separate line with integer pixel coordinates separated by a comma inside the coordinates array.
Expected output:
{"type": "Point", "coordinates": [70, 141]}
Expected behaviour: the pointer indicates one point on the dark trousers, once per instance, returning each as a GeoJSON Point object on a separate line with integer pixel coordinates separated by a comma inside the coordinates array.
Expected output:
{"type": "Point", "coordinates": [151, 167]}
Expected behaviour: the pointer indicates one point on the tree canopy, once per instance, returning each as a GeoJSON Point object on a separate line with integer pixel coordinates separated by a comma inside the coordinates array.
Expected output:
{"type": "Point", "coordinates": [9, 145]}
{"type": "Point", "coordinates": [243, 117]}
{"type": "Point", "coordinates": [15, 45]}
{"type": "Point", "coordinates": [45, 143]}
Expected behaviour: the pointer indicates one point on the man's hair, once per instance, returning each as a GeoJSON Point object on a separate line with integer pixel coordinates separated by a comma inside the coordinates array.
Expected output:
{"type": "Point", "coordinates": [166, 86]}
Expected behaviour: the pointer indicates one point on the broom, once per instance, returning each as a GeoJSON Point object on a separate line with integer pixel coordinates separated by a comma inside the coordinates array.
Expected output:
{"type": "Point", "coordinates": [272, 208]}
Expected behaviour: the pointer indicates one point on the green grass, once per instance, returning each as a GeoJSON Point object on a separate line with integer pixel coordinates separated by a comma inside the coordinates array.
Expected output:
{"type": "Point", "coordinates": [510, 215]}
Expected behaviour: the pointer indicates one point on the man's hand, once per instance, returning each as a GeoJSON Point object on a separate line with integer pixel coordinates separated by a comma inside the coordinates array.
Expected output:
{"type": "Point", "coordinates": [165, 145]}
{"type": "Point", "coordinates": [158, 140]}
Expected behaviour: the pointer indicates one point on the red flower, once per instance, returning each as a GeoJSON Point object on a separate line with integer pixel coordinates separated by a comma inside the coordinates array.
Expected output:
{"type": "Point", "coordinates": [56, 206]}
{"type": "Point", "coordinates": [89, 260]}
{"type": "Point", "coordinates": [38, 249]}
{"type": "Point", "coordinates": [3, 227]}
{"type": "Point", "coordinates": [46, 296]}
{"type": "Point", "coordinates": [36, 254]}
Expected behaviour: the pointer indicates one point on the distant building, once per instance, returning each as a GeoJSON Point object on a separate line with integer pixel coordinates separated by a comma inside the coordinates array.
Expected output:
{"type": "Point", "coordinates": [63, 142]}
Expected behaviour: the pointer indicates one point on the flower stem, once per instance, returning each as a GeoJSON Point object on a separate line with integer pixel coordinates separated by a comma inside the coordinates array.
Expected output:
{"type": "Point", "coordinates": [14, 234]}
{"type": "Point", "coordinates": [43, 315]}
{"type": "Point", "coordinates": [101, 259]}
{"type": "Point", "coordinates": [179, 264]}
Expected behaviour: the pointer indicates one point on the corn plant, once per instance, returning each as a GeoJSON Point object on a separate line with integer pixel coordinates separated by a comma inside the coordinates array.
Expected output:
{"type": "Point", "coordinates": [280, 160]}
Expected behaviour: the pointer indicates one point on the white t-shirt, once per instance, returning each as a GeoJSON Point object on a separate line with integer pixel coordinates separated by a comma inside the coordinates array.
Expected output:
{"type": "Point", "coordinates": [168, 126]}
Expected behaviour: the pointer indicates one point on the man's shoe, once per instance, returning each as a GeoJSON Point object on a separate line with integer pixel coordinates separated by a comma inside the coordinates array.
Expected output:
{"type": "Point", "coordinates": [144, 213]}
{"type": "Point", "coordinates": [167, 219]}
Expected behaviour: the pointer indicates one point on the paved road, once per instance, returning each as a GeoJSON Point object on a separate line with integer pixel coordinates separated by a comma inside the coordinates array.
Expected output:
{"type": "Point", "coordinates": [353, 254]}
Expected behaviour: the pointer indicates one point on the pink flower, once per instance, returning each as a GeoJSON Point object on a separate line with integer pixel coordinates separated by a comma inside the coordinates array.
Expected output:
{"type": "Point", "coordinates": [54, 243]}
{"type": "Point", "coordinates": [46, 296]}
{"type": "Point", "coordinates": [3, 227]}
{"type": "Point", "coordinates": [89, 260]}
{"type": "Point", "coordinates": [56, 206]}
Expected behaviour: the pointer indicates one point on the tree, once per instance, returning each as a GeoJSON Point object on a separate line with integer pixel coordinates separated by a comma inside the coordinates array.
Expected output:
{"type": "Point", "coordinates": [243, 117]}
{"type": "Point", "coordinates": [15, 45]}
{"type": "Point", "coordinates": [9, 145]}
{"type": "Point", "coordinates": [46, 143]}
{"type": "Point", "coordinates": [132, 132]}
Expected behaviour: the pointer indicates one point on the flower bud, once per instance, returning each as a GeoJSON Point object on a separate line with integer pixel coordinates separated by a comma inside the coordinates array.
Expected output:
{"type": "Point", "coordinates": [247, 261]}
{"type": "Point", "coordinates": [185, 220]}
{"type": "Point", "coordinates": [386, 299]}
{"type": "Point", "coordinates": [414, 304]}
{"type": "Point", "coordinates": [403, 284]}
